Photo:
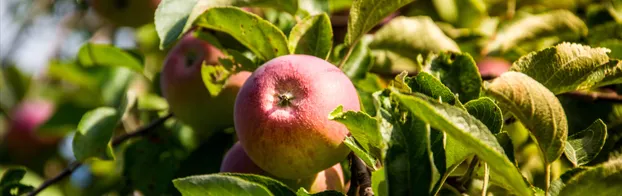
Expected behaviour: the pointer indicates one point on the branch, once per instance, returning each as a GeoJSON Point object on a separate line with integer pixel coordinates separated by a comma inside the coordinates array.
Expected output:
{"type": "Point", "coordinates": [115, 142]}
{"type": "Point", "coordinates": [596, 96]}
{"type": "Point", "coordinates": [361, 177]}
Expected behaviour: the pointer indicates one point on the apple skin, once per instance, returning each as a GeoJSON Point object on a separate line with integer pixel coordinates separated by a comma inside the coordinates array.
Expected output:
{"type": "Point", "coordinates": [237, 161]}
{"type": "Point", "coordinates": [183, 87]}
{"type": "Point", "coordinates": [131, 13]}
{"type": "Point", "coordinates": [492, 67]}
{"type": "Point", "coordinates": [281, 115]}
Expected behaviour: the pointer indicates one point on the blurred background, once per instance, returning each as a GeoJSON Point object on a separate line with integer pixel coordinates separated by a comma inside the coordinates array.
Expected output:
{"type": "Point", "coordinates": [47, 84]}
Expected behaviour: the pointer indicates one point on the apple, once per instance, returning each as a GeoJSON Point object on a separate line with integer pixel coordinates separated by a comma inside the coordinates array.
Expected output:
{"type": "Point", "coordinates": [131, 13]}
{"type": "Point", "coordinates": [281, 115]}
{"type": "Point", "coordinates": [492, 67]}
{"type": "Point", "coordinates": [183, 87]}
{"type": "Point", "coordinates": [237, 161]}
{"type": "Point", "coordinates": [21, 138]}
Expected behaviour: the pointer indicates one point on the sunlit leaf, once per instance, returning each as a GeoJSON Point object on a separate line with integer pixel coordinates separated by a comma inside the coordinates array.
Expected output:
{"type": "Point", "coordinates": [365, 14]}
{"type": "Point", "coordinates": [313, 36]}
{"type": "Point", "coordinates": [536, 107]}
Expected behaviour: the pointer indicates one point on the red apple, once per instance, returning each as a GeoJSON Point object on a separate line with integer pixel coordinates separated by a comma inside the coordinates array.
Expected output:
{"type": "Point", "coordinates": [132, 13]}
{"type": "Point", "coordinates": [492, 67]}
{"type": "Point", "coordinates": [237, 161]}
{"type": "Point", "coordinates": [26, 117]}
{"type": "Point", "coordinates": [183, 87]}
{"type": "Point", "coordinates": [281, 115]}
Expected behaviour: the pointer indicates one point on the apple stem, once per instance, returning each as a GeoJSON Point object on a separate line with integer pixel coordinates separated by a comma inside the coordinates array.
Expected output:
{"type": "Point", "coordinates": [285, 99]}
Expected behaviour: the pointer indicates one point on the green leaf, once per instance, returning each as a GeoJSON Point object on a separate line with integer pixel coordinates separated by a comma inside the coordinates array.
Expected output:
{"type": "Point", "coordinates": [92, 138]}
{"type": "Point", "coordinates": [583, 146]}
{"type": "Point", "coordinates": [12, 175]}
{"type": "Point", "coordinates": [15, 189]}
{"type": "Point", "coordinates": [363, 128]}
{"type": "Point", "coordinates": [459, 73]}
{"type": "Point", "coordinates": [471, 13]}
{"type": "Point", "coordinates": [604, 179]}
{"type": "Point", "coordinates": [506, 142]}
{"type": "Point", "coordinates": [536, 107]}
{"type": "Point", "coordinates": [429, 85]}
{"type": "Point", "coordinates": [552, 23]}
{"type": "Point", "coordinates": [257, 34]}
{"type": "Point", "coordinates": [214, 77]}
{"type": "Point", "coordinates": [365, 14]}
{"type": "Point", "coordinates": [275, 187]}
{"type": "Point", "coordinates": [91, 54]}
{"type": "Point", "coordinates": [242, 62]}
{"type": "Point", "coordinates": [470, 132]}
{"type": "Point", "coordinates": [606, 32]}
{"type": "Point", "coordinates": [171, 18]}
{"type": "Point", "coordinates": [379, 182]}
{"type": "Point", "coordinates": [174, 17]}
{"type": "Point", "coordinates": [567, 67]}
{"type": "Point", "coordinates": [360, 152]}
{"type": "Point", "coordinates": [486, 111]}
{"type": "Point", "coordinates": [360, 60]}
{"type": "Point", "coordinates": [615, 46]}
{"type": "Point", "coordinates": [152, 102]}
{"type": "Point", "coordinates": [408, 161]}
{"type": "Point", "coordinates": [231, 184]}
{"type": "Point", "coordinates": [559, 184]}
{"type": "Point", "coordinates": [313, 35]}
{"type": "Point", "coordinates": [411, 36]}
{"type": "Point", "coordinates": [218, 185]}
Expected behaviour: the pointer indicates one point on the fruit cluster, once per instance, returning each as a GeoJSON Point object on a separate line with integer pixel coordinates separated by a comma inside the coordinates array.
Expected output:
{"type": "Point", "coordinates": [280, 113]}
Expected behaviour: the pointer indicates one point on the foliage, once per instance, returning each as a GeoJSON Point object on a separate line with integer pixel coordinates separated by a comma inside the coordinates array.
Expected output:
{"type": "Point", "coordinates": [429, 123]}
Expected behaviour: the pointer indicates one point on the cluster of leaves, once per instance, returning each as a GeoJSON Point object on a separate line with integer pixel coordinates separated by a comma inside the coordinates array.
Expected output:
{"type": "Point", "coordinates": [429, 123]}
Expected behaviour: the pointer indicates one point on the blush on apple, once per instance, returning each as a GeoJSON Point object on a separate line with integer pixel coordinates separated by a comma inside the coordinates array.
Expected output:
{"type": "Point", "coordinates": [492, 67]}
{"type": "Point", "coordinates": [281, 115]}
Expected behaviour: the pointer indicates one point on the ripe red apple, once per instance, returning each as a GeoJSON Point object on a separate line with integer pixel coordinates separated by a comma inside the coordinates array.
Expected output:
{"type": "Point", "coordinates": [132, 13]}
{"type": "Point", "coordinates": [492, 67]}
{"type": "Point", "coordinates": [185, 92]}
{"type": "Point", "coordinates": [237, 161]}
{"type": "Point", "coordinates": [26, 117]}
{"type": "Point", "coordinates": [281, 115]}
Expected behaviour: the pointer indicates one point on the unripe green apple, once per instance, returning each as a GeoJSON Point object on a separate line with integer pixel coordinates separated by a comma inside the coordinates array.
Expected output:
{"type": "Point", "coordinates": [183, 87]}
{"type": "Point", "coordinates": [237, 161]}
{"type": "Point", "coordinates": [281, 115]}
{"type": "Point", "coordinates": [132, 13]}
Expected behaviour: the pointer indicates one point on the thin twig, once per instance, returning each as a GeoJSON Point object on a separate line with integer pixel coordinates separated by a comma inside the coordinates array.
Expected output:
{"type": "Point", "coordinates": [486, 179]}
{"type": "Point", "coordinates": [439, 185]}
{"type": "Point", "coordinates": [350, 50]}
{"type": "Point", "coordinates": [361, 177]}
{"type": "Point", "coordinates": [72, 167]}
{"type": "Point", "coordinates": [596, 96]}
{"type": "Point", "coordinates": [144, 130]}
{"type": "Point", "coordinates": [115, 142]}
